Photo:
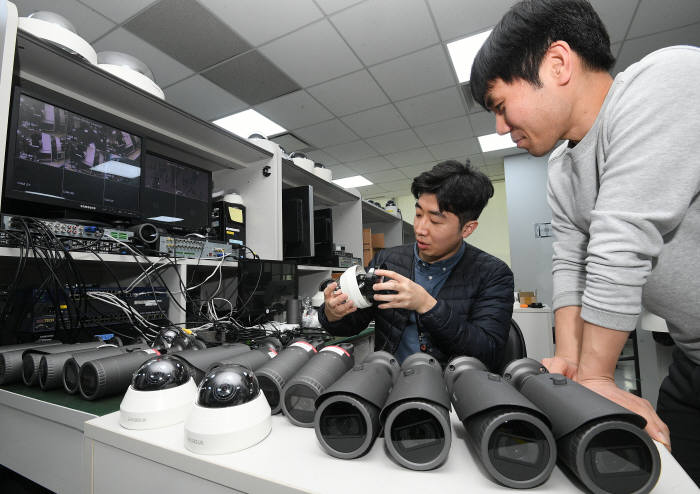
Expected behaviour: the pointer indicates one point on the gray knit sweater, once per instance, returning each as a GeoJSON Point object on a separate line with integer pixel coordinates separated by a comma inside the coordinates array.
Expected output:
{"type": "Point", "coordinates": [626, 202]}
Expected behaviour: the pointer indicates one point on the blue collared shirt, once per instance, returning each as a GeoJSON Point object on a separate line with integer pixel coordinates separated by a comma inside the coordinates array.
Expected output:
{"type": "Point", "coordinates": [431, 277]}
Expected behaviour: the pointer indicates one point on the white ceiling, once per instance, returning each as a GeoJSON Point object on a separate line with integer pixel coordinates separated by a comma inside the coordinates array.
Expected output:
{"type": "Point", "coordinates": [377, 95]}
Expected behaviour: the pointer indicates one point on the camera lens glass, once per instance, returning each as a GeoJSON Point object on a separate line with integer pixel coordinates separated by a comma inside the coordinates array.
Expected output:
{"type": "Point", "coordinates": [226, 386]}
{"type": "Point", "coordinates": [300, 403]}
{"type": "Point", "coordinates": [160, 373]}
{"type": "Point", "coordinates": [28, 365]}
{"type": "Point", "coordinates": [417, 435]}
{"type": "Point", "coordinates": [43, 370]}
{"type": "Point", "coordinates": [172, 339]}
{"type": "Point", "coordinates": [518, 450]}
{"type": "Point", "coordinates": [618, 461]}
{"type": "Point", "coordinates": [88, 379]}
{"type": "Point", "coordinates": [70, 375]}
{"type": "Point", "coordinates": [343, 427]}
{"type": "Point", "coordinates": [271, 391]}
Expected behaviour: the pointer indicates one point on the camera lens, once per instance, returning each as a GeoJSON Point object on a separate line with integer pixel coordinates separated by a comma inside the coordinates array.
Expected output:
{"type": "Point", "coordinates": [71, 372]}
{"type": "Point", "coordinates": [160, 373]}
{"type": "Point", "coordinates": [618, 461]}
{"type": "Point", "coordinates": [88, 380]}
{"type": "Point", "coordinates": [418, 435]}
{"type": "Point", "coordinates": [272, 392]}
{"type": "Point", "coordinates": [343, 427]}
{"type": "Point", "coordinates": [300, 403]}
{"type": "Point", "coordinates": [518, 450]}
{"type": "Point", "coordinates": [228, 385]}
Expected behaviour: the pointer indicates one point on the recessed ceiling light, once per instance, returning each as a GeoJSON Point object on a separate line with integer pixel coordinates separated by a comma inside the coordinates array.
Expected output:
{"type": "Point", "coordinates": [494, 142]}
{"type": "Point", "coordinates": [463, 51]}
{"type": "Point", "coordinates": [349, 182]}
{"type": "Point", "coordinates": [249, 122]}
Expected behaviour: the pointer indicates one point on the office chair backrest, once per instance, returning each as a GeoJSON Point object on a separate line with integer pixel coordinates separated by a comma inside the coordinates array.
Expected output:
{"type": "Point", "coordinates": [515, 346]}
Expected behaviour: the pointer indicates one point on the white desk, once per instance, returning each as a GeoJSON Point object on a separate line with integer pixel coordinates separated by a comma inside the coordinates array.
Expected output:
{"type": "Point", "coordinates": [291, 461]}
{"type": "Point", "coordinates": [42, 441]}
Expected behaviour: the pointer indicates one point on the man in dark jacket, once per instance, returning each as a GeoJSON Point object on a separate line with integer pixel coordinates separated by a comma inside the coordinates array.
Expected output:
{"type": "Point", "coordinates": [448, 297]}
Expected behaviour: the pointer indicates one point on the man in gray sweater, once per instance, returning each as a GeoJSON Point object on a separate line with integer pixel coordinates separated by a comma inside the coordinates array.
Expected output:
{"type": "Point", "coordinates": [624, 189]}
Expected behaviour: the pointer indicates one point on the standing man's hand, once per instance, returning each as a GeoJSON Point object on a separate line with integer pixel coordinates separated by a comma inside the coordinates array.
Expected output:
{"type": "Point", "coordinates": [561, 365]}
{"type": "Point", "coordinates": [336, 304]}
{"type": "Point", "coordinates": [409, 294]}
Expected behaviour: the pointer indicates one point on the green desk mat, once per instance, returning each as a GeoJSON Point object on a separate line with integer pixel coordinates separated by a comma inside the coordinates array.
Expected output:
{"type": "Point", "coordinates": [60, 397]}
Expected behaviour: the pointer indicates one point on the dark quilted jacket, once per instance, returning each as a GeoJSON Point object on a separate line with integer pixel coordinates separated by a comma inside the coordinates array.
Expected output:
{"type": "Point", "coordinates": [472, 315]}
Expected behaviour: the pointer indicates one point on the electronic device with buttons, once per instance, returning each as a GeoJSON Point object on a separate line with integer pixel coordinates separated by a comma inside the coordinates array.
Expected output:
{"type": "Point", "coordinates": [195, 248]}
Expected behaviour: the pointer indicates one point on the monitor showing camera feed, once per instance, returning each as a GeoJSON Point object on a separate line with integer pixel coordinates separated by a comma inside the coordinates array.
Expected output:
{"type": "Point", "coordinates": [174, 195]}
{"type": "Point", "coordinates": [71, 161]}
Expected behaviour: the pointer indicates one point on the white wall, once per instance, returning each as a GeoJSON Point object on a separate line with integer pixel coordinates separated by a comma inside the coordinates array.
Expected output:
{"type": "Point", "coordinates": [492, 233]}
{"type": "Point", "coordinates": [526, 195]}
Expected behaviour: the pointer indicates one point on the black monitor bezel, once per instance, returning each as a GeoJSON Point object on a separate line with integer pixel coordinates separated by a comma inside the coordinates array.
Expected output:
{"type": "Point", "coordinates": [83, 110]}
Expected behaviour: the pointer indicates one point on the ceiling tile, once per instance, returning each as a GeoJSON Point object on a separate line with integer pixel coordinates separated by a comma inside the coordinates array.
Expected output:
{"type": "Point", "coordinates": [616, 16]}
{"type": "Point", "coordinates": [458, 150]}
{"type": "Point", "coordinates": [415, 170]}
{"type": "Point", "coordinates": [376, 121]}
{"type": "Point", "coordinates": [403, 187]}
{"type": "Point", "coordinates": [636, 49]}
{"type": "Point", "coordinates": [654, 16]}
{"type": "Point", "coordinates": [312, 54]}
{"type": "Point", "coordinates": [395, 142]}
{"type": "Point", "coordinates": [412, 157]}
{"type": "Point", "coordinates": [382, 29]}
{"type": "Point", "coordinates": [187, 32]}
{"type": "Point", "coordinates": [444, 131]}
{"type": "Point", "coordinates": [370, 165]}
{"type": "Point", "coordinates": [260, 21]}
{"type": "Point", "coordinates": [349, 94]}
{"type": "Point", "coordinates": [290, 143]}
{"type": "Point", "coordinates": [457, 18]}
{"type": "Point", "coordinates": [294, 110]}
{"type": "Point", "coordinates": [372, 191]}
{"type": "Point", "coordinates": [326, 133]}
{"type": "Point", "coordinates": [385, 176]}
{"type": "Point", "coordinates": [89, 24]}
{"type": "Point", "coordinates": [342, 171]}
{"type": "Point", "coordinates": [252, 78]}
{"type": "Point", "coordinates": [432, 107]}
{"type": "Point", "coordinates": [483, 123]}
{"type": "Point", "coordinates": [117, 11]}
{"type": "Point", "coordinates": [351, 151]}
{"type": "Point", "coordinates": [476, 160]}
{"type": "Point", "coordinates": [165, 69]}
{"type": "Point", "coordinates": [322, 157]}
{"type": "Point", "coordinates": [203, 98]}
{"type": "Point", "coordinates": [414, 74]}
{"type": "Point", "coordinates": [330, 6]}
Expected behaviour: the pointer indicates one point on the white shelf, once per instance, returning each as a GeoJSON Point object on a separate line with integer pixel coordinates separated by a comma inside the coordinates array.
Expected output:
{"type": "Point", "coordinates": [373, 214]}
{"type": "Point", "coordinates": [89, 256]}
{"type": "Point", "coordinates": [51, 67]}
{"type": "Point", "coordinates": [326, 194]}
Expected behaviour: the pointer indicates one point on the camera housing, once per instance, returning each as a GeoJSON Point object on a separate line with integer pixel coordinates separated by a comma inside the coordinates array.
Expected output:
{"type": "Point", "coordinates": [347, 414]}
{"type": "Point", "coordinates": [601, 443]}
{"type": "Point", "coordinates": [508, 433]}
{"type": "Point", "coordinates": [161, 394]}
{"type": "Point", "coordinates": [230, 413]}
{"type": "Point", "coordinates": [358, 285]}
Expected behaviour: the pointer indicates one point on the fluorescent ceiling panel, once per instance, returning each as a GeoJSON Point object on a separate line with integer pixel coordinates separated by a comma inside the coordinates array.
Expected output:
{"type": "Point", "coordinates": [350, 182]}
{"type": "Point", "coordinates": [494, 142]}
{"type": "Point", "coordinates": [462, 53]}
{"type": "Point", "coordinates": [249, 122]}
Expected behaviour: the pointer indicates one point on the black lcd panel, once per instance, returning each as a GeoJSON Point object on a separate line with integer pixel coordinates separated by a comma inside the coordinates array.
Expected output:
{"type": "Point", "coordinates": [262, 285]}
{"type": "Point", "coordinates": [174, 195]}
{"type": "Point", "coordinates": [64, 159]}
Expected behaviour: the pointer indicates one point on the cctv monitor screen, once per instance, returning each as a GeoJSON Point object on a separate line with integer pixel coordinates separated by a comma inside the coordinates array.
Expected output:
{"type": "Point", "coordinates": [64, 159]}
{"type": "Point", "coordinates": [174, 195]}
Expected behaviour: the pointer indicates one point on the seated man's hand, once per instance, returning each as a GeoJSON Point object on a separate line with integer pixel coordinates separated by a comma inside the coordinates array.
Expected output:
{"type": "Point", "coordinates": [409, 294]}
{"type": "Point", "coordinates": [561, 365]}
{"type": "Point", "coordinates": [336, 304]}
{"type": "Point", "coordinates": [656, 428]}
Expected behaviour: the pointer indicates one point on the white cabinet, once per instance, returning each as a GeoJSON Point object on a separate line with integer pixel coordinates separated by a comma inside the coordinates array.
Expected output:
{"type": "Point", "coordinates": [536, 326]}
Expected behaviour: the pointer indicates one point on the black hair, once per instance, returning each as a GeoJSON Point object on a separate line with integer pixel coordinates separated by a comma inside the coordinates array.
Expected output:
{"type": "Point", "coordinates": [459, 188]}
{"type": "Point", "coordinates": [516, 46]}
